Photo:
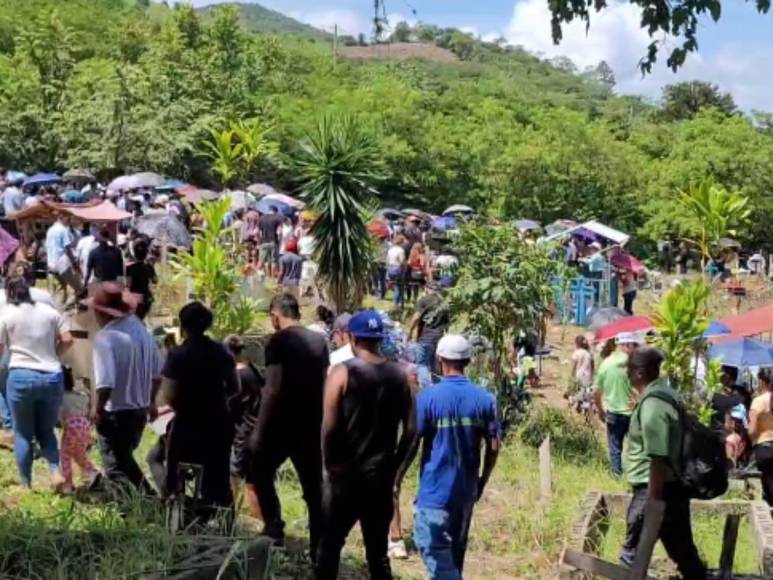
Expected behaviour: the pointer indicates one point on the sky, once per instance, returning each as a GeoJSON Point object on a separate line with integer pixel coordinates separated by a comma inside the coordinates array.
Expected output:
{"type": "Point", "coordinates": [736, 53]}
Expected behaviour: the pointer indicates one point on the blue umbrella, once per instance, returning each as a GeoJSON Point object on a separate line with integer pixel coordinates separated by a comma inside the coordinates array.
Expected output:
{"type": "Point", "coordinates": [743, 353]}
{"type": "Point", "coordinates": [265, 205]}
{"type": "Point", "coordinates": [171, 185]}
{"type": "Point", "coordinates": [41, 179]}
{"type": "Point", "coordinates": [76, 196]}
{"type": "Point", "coordinates": [716, 328]}
{"type": "Point", "coordinates": [444, 223]}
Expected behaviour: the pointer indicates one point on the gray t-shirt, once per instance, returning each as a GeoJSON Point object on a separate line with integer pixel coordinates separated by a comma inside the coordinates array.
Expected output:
{"type": "Point", "coordinates": [30, 332]}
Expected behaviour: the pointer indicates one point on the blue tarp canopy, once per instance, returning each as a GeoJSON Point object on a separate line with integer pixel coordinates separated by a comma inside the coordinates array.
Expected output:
{"type": "Point", "coordinates": [716, 328]}
{"type": "Point", "coordinates": [743, 353]}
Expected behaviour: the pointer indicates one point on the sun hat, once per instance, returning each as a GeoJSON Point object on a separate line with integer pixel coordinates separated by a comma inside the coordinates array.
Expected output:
{"type": "Point", "coordinates": [628, 338]}
{"type": "Point", "coordinates": [454, 347]}
{"type": "Point", "coordinates": [366, 324]}
{"type": "Point", "coordinates": [112, 299]}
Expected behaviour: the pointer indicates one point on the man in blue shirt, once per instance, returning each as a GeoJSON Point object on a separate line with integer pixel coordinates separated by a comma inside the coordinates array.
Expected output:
{"type": "Point", "coordinates": [454, 417]}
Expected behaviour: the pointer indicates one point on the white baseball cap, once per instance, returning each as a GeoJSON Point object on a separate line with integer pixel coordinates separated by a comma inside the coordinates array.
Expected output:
{"type": "Point", "coordinates": [628, 338]}
{"type": "Point", "coordinates": [454, 347]}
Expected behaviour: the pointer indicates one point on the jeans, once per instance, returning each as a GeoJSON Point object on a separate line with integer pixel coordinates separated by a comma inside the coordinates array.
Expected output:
{"type": "Point", "coordinates": [34, 398]}
{"type": "Point", "coordinates": [441, 538]}
{"type": "Point", "coordinates": [628, 299]}
{"type": "Point", "coordinates": [675, 531]}
{"type": "Point", "coordinates": [423, 356]}
{"type": "Point", "coordinates": [379, 281]}
{"type": "Point", "coordinates": [119, 434]}
{"type": "Point", "coordinates": [617, 429]}
{"type": "Point", "coordinates": [305, 452]}
{"type": "Point", "coordinates": [395, 275]}
{"type": "Point", "coordinates": [763, 455]}
{"type": "Point", "coordinates": [348, 499]}
{"type": "Point", "coordinates": [5, 410]}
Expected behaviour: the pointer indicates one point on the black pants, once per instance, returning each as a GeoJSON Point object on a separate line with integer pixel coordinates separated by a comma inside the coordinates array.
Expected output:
{"type": "Point", "coordinates": [119, 435]}
{"type": "Point", "coordinates": [347, 499]}
{"type": "Point", "coordinates": [157, 463]}
{"type": "Point", "coordinates": [763, 455]}
{"type": "Point", "coordinates": [306, 456]}
{"type": "Point", "coordinates": [675, 531]}
{"type": "Point", "coordinates": [628, 299]}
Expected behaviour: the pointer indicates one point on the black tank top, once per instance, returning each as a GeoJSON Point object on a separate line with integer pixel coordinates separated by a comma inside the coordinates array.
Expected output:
{"type": "Point", "coordinates": [374, 403]}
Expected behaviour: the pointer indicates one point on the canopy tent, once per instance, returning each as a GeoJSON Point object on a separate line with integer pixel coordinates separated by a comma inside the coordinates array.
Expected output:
{"type": "Point", "coordinates": [751, 323]}
{"type": "Point", "coordinates": [93, 212]}
{"type": "Point", "coordinates": [716, 328]}
{"type": "Point", "coordinates": [743, 353]}
{"type": "Point", "coordinates": [594, 231]}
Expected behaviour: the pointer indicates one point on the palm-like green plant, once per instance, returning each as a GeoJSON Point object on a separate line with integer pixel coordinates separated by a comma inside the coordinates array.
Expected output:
{"type": "Point", "coordinates": [226, 154]}
{"type": "Point", "coordinates": [338, 166]}
{"type": "Point", "coordinates": [717, 212]}
{"type": "Point", "coordinates": [257, 146]}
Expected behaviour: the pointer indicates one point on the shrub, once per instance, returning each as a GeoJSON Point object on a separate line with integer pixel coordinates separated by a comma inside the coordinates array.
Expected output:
{"type": "Point", "coordinates": [570, 437]}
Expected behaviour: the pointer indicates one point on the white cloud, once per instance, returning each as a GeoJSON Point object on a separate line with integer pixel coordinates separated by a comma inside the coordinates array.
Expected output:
{"type": "Point", "coordinates": [348, 21]}
{"type": "Point", "coordinates": [615, 36]}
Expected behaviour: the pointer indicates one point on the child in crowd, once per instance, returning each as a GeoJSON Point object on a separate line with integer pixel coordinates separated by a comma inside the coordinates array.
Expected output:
{"type": "Point", "coordinates": [737, 444]}
{"type": "Point", "coordinates": [76, 436]}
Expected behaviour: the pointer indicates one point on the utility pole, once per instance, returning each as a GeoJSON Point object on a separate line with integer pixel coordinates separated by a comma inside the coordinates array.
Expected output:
{"type": "Point", "coordinates": [335, 41]}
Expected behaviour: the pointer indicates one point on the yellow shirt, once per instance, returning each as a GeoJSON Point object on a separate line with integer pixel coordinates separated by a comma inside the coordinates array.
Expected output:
{"type": "Point", "coordinates": [761, 407]}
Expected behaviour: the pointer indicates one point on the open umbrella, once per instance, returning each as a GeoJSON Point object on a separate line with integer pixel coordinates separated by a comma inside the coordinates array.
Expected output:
{"type": "Point", "coordinates": [444, 223]}
{"type": "Point", "coordinates": [261, 189]}
{"type": "Point", "coordinates": [729, 243]}
{"type": "Point", "coordinates": [628, 324]}
{"type": "Point", "coordinates": [378, 229]}
{"type": "Point", "coordinates": [79, 176]}
{"type": "Point", "coordinates": [41, 179]}
{"type": "Point", "coordinates": [628, 263]}
{"type": "Point", "coordinates": [527, 225]}
{"type": "Point", "coordinates": [604, 316]}
{"type": "Point", "coordinates": [284, 198]}
{"type": "Point", "coordinates": [195, 195]}
{"type": "Point", "coordinates": [240, 199]}
{"type": "Point", "coordinates": [559, 226]}
{"type": "Point", "coordinates": [136, 181]}
{"type": "Point", "coordinates": [743, 353]}
{"type": "Point", "coordinates": [390, 214]}
{"type": "Point", "coordinates": [457, 209]}
{"type": "Point", "coordinates": [422, 215]}
{"type": "Point", "coordinates": [164, 228]}
{"type": "Point", "coordinates": [266, 205]}
{"type": "Point", "coordinates": [716, 328]}
{"type": "Point", "coordinates": [171, 185]}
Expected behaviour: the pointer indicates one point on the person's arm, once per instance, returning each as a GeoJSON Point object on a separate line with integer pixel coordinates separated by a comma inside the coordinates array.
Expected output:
{"type": "Point", "coordinates": [64, 341]}
{"type": "Point", "coordinates": [89, 267]}
{"type": "Point", "coordinates": [104, 376]}
{"type": "Point", "coordinates": [493, 442]}
{"type": "Point", "coordinates": [233, 390]}
{"type": "Point", "coordinates": [270, 394]}
{"type": "Point", "coordinates": [656, 422]}
{"type": "Point", "coordinates": [408, 446]}
{"type": "Point", "coordinates": [573, 371]}
{"type": "Point", "coordinates": [754, 421]}
{"type": "Point", "coordinates": [335, 388]}
{"type": "Point", "coordinates": [414, 327]}
{"type": "Point", "coordinates": [658, 471]}
{"type": "Point", "coordinates": [598, 402]}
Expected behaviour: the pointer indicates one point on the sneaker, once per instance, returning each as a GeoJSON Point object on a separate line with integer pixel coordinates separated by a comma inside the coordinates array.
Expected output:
{"type": "Point", "coordinates": [397, 550]}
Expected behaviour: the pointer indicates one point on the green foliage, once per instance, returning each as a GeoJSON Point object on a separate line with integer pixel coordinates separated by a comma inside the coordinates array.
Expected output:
{"type": "Point", "coordinates": [503, 287]}
{"type": "Point", "coordinates": [338, 167]}
{"type": "Point", "coordinates": [570, 437]}
{"type": "Point", "coordinates": [684, 100]}
{"type": "Point", "coordinates": [716, 212]}
{"type": "Point", "coordinates": [225, 153]}
{"type": "Point", "coordinates": [214, 272]}
{"type": "Point", "coordinates": [240, 151]}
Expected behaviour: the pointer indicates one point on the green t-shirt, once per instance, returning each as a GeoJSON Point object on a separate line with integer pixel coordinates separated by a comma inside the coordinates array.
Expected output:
{"type": "Point", "coordinates": [655, 431]}
{"type": "Point", "coordinates": [612, 381]}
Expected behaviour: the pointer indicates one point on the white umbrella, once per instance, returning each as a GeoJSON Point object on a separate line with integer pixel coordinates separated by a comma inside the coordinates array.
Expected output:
{"type": "Point", "coordinates": [261, 189]}
{"type": "Point", "coordinates": [240, 199]}
{"type": "Point", "coordinates": [291, 201]}
{"type": "Point", "coordinates": [146, 179]}
{"type": "Point", "coordinates": [454, 209]}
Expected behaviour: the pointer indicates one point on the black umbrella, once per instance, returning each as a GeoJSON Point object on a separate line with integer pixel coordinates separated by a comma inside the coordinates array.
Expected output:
{"type": "Point", "coordinates": [79, 176]}
{"type": "Point", "coordinates": [165, 229]}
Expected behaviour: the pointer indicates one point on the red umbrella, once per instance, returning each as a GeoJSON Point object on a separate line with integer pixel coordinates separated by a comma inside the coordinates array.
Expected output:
{"type": "Point", "coordinates": [628, 324]}
{"type": "Point", "coordinates": [378, 229]}
{"type": "Point", "coordinates": [628, 263]}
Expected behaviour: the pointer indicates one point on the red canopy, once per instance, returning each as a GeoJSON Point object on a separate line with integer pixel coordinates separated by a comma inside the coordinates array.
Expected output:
{"type": "Point", "coordinates": [751, 323]}
{"type": "Point", "coordinates": [627, 324]}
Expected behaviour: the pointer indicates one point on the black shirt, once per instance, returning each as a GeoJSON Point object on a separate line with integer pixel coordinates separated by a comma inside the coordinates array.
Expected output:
{"type": "Point", "coordinates": [141, 275]}
{"type": "Point", "coordinates": [722, 403]}
{"type": "Point", "coordinates": [434, 319]}
{"type": "Point", "coordinates": [246, 406]}
{"type": "Point", "coordinates": [303, 356]}
{"type": "Point", "coordinates": [269, 228]}
{"type": "Point", "coordinates": [106, 263]}
{"type": "Point", "coordinates": [376, 399]}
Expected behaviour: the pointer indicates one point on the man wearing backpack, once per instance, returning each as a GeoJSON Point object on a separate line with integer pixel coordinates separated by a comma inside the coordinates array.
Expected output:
{"type": "Point", "coordinates": [654, 448]}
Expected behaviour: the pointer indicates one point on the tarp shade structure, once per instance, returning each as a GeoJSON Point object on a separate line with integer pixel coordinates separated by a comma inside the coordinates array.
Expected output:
{"type": "Point", "coordinates": [94, 212]}
{"type": "Point", "coordinates": [751, 323]}
{"type": "Point", "coordinates": [594, 231]}
{"type": "Point", "coordinates": [743, 353]}
{"type": "Point", "coordinates": [717, 328]}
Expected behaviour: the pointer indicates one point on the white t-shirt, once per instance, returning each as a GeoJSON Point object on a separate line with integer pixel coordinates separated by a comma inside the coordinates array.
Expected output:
{"type": "Point", "coordinates": [583, 373]}
{"type": "Point", "coordinates": [30, 332]}
{"type": "Point", "coordinates": [126, 360]}
{"type": "Point", "coordinates": [306, 246]}
{"type": "Point", "coordinates": [83, 249]}
{"type": "Point", "coordinates": [285, 235]}
{"type": "Point", "coordinates": [395, 256]}
{"type": "Point", "coordinates": [341, 355]}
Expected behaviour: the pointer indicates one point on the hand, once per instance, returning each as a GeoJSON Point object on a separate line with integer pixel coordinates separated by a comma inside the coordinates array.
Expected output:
{"type": "Point", "coordinates": [152, 412]}
{"type": "Point", "coordinates": [98, 416]}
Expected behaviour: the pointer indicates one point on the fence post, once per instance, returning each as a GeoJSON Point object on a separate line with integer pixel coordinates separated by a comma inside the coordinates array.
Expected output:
{"type": "Point", "coordinates": [545, 475]}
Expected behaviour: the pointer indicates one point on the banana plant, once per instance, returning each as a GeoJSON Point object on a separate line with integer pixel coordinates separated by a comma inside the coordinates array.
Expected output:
{"type": "Point", "coordinates": [225, 153]}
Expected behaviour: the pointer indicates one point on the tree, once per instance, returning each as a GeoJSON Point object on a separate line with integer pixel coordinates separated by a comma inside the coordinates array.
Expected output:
{"type": "Point", "coordinates": [685, 100]}
{"type": "Point", "coordinates": [674, 21]}
{"type": "Point", "coordinates": [402, 32]}
{"type": "Point", "coordinates": [717, 213]}
{"type": "Point", "coordinates": [338, 165]}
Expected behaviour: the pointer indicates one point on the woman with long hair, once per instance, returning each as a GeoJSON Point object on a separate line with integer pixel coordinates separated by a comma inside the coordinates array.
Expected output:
{"type": "Point", "coordinates": [34, 334]}
{"type": "Point", "coordinates": [418, 270]}
{"type": "Point", "coordinates": [582, 363]}
{"type": "Point", "coordinates": [761, 431]}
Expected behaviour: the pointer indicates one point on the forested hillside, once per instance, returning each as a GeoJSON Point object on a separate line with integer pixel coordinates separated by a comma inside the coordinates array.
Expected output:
{"type": "Point", "coordinates": [116, 87]}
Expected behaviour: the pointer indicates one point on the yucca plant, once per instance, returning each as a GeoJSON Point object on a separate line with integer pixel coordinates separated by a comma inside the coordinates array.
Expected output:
{"type": "Point", "coordinates": [680, 321]}
{"type": "Point", "coordinates": [338, 166]}
{"type": "Point", "coordinates": [717, 212]}
{"type": "Point", "coordinates": [213, 272]}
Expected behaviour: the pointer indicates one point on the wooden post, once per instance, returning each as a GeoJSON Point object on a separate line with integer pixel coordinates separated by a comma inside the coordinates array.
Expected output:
{"type": "Point", "coordinates": [729, 538]}
{"type": "Point", "coordinates": [545, 475]}
{"type": "Point", "coordinates": [653, 518]}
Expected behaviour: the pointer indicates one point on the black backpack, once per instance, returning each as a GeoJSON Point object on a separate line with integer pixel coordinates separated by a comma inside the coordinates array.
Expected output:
{"type": "Point", "coordinates": [704, 465]}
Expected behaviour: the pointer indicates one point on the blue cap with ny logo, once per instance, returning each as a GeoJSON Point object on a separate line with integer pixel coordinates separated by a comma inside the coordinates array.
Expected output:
{"type": "Point", "coordinates": [366, 324]}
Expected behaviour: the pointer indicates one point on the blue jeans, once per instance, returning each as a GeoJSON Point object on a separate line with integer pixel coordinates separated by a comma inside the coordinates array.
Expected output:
{"type": "Point", "coordinates": [34, 398]}
{"type": "Point", "coordinates": [395, 275]}
{"type": "Point", "coordinates": [617, 429]}
{"type": "Point", "coordinates": [441, 538]}
{"type": "Point", "coordinates": [5, 411]}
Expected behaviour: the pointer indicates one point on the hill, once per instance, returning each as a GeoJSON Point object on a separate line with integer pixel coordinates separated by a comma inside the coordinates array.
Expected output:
{"type": "Point", "coordinates": [257, 18]}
